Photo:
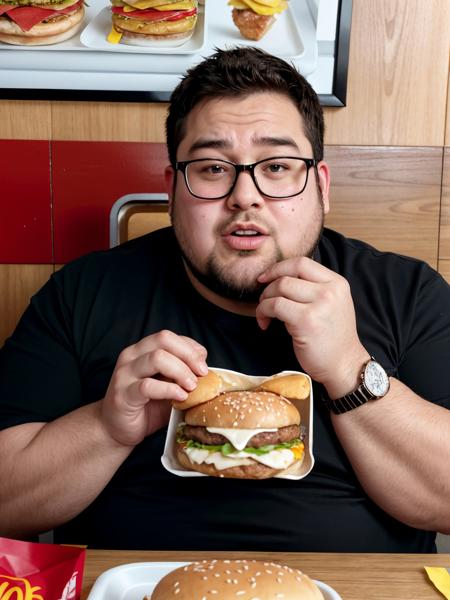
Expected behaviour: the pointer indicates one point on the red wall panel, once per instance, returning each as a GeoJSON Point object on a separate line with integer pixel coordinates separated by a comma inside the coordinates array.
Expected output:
{"type": "Point", "coordinates": [25, 217]}
{"type": "Point", "coordinates": [87, 178]}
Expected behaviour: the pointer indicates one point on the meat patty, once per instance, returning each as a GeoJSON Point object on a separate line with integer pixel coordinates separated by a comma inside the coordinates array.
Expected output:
{"type": "Point", "coordinates": [284, 434]}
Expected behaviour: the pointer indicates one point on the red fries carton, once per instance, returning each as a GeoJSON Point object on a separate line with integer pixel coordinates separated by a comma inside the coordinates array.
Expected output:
{"type": "Point", "coordinates": [30, 571]}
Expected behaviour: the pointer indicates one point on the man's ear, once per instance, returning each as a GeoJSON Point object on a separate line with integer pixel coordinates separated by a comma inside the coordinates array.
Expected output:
{"type": "Point", "coordinates": [169, 178]}
{"type": "Point", "coordinates": [324, 183]}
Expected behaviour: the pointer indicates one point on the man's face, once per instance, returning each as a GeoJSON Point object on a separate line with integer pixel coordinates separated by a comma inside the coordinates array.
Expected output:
{"type": "Point", "coordinates": [211, 232]}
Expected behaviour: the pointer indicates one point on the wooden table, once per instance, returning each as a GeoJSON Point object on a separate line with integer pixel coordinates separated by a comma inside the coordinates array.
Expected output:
{"type": "Point", "coordinates": [353, 576]}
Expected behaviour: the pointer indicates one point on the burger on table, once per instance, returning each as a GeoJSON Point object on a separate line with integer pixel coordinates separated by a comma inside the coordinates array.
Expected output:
{"type": "Point", "coordinates": [236, 580]}
{"type": "Point", "coordinates": [153, 22]}
{"type": "Point", "coordinates": [39, 22]}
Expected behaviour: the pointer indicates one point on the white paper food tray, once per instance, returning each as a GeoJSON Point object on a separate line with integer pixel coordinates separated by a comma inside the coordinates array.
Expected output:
{"type": "Point", "coordinates": [133, 581]}
{"type": "Point", "coordinates": [170, 461]}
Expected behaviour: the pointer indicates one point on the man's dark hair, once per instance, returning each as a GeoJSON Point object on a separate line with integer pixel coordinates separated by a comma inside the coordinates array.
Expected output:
{"type": "Point", "coordinates": [240, 72]}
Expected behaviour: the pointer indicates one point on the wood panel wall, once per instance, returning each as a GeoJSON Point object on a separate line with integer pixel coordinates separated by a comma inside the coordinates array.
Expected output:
{"type": "Point", "coordinates": [397, 102]}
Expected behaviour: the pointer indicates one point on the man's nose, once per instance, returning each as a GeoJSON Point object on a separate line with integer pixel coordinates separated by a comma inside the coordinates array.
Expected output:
{"type": "Point", "coordinates": [245, 193]}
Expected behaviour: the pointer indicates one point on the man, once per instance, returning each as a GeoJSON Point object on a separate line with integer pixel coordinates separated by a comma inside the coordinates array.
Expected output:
{"type": "Point", "coordinates": [246, 280]}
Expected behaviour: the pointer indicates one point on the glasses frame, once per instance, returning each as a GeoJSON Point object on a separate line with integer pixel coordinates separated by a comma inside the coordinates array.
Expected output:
{"type": "Point", "coordinates": [240, 168]}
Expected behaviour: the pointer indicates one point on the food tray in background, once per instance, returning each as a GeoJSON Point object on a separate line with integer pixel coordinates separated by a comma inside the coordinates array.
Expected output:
{"type": "Point", "coordinates": [71, 65]}
{"type": "Point", "coordinates": [283, 39]}
{"type": "Point", "coordinates": [133, 581]}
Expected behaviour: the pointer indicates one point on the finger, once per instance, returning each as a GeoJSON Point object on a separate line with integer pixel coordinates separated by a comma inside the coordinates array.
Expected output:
{"type": "Point", "coordinates": [185, 348]}
{"type": "Point", "coordinates": [165, 366]}
{"type": "Point", "coordinates": [292, 288]}
{"type": "Point", "coordinates": [301, 267]}
{"type": "Point", "coordinates": [279, 308]}
{"type": "Point", "coordinates": [140, 392]}
{"type": "Point", "coordinates": [263, 322]}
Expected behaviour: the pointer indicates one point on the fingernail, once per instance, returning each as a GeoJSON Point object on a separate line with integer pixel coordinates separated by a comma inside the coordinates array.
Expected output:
{"type": "Point", "coordinates": [203, 368]}
{"type": "Point", "coordinates": [191, 383]}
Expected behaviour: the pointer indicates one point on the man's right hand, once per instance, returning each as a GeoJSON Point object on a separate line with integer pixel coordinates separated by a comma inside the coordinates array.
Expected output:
{"type": "Point", "coordinates": [159, 368]}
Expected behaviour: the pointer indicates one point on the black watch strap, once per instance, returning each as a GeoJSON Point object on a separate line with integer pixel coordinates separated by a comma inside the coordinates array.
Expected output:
{"type": "Point", "coordinates": [348, 402]}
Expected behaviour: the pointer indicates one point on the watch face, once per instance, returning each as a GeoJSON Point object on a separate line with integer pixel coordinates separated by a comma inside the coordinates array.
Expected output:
{"type": "Point", "coordinates": [376, 379]}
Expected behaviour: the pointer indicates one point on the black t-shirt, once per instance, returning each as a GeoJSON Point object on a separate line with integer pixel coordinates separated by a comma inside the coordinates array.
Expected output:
{"type": "Point", "coordinates": [64, 350]}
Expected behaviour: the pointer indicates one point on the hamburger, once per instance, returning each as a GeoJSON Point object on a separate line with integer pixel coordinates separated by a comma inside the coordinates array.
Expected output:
{"type": "Point", "coordinates": [39, 22]}
{"type": "Point", "coordinates": [254, 18]}
{"type": "Point", "coordinates": [153, 22]}
{"type": "Point", "coordinates": [243, 434]}
{"type": "Point", "coordinates": [231, 579]}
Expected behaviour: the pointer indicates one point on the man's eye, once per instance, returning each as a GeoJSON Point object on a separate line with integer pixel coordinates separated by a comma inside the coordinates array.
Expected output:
{"type": "Point", "coordinates": [213, 169]}
{"type": "Point", "coordinates": [216, 169]}
{"type": "Point", "coordinates": [276, 168]}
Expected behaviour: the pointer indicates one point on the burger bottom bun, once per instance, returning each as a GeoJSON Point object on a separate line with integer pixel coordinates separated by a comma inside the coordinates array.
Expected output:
{"type": "Point", "coordinates": [160, 41]}
{"type": "Point", "coordinates": [232, 579]}
{"type": "Point", "coordinates": [42, 34]}
{"type": "Point", "coordinates": [254, 471]}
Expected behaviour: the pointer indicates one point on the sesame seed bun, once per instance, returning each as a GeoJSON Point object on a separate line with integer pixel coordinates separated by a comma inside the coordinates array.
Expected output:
{"type": "Point", "coordinates": [249, 409]}
{"type": "Point", "coordinates": [236, 580]}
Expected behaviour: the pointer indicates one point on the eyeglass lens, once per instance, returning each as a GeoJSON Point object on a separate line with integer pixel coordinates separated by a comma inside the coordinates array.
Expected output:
{"type": "Point", "coordinates": [276, 177]}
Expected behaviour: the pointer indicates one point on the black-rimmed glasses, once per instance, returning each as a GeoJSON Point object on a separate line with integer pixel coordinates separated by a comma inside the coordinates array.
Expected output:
{"type": "Point", "coordinates": [275, 177]}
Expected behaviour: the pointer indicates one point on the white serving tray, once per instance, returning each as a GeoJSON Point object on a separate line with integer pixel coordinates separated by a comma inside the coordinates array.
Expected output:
{"type": "Point", "coordinates": [170, 461]}
{"type": "Point", "coordinates": [133, 581]}
{"type": "Point", "coordinates": [71, 65]}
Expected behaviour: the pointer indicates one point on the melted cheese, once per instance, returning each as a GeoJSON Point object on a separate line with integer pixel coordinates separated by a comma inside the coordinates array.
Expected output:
{"type": "Point", "coordinates": [114, 36]}
{"type": "Point", "coordinates": [217, 459]}
{"type": "Point", "coordinates": [237, 437]}
{"type": "Point", "coordinates": [260, 8]}
{"type": "Point", "coordinates": [144, 4]}
{"type": "Point", "coordinates": [276, 459]}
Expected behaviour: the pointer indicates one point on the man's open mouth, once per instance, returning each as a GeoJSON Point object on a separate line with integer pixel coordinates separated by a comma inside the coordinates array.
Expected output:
{"type": "Point", "coordinates": [246, 233]}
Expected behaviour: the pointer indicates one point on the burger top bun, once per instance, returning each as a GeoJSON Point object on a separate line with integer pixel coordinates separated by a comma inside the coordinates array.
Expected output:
{"type": "Point", "coordinates": [244, 410]}
{"type": "Point", "coordinates": [236, 579]}
{"type": "Point", "coordinates": [293, 387]}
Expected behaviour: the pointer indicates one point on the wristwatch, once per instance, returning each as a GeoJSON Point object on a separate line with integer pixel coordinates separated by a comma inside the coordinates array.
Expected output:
{"type": "Point", "coordinates": [375, 385]}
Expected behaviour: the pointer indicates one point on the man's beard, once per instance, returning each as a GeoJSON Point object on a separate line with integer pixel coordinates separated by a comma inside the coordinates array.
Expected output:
{"type": "Point", "coordinates": [219, 279]}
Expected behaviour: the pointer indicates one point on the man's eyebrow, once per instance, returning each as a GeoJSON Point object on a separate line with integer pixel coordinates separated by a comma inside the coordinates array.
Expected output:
{"type": "Point", "coordinates": [218, 143]}
{"type": "Point", "coordinates": [223, 144]}
{"type": "Point", "coordinates": [275, 141]}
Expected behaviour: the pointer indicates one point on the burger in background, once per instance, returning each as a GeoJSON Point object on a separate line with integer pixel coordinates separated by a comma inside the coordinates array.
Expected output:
{"type": "Point", "coordinates": [254, 18]}
{"type": "Point", "coordinates": [243, 434]}
{"type": "Point", "coordinates": [153, 22]}
{"type": "Point", "coordinates": [231, 579]}
{"type": "Point", "coordinates": [39, 22]}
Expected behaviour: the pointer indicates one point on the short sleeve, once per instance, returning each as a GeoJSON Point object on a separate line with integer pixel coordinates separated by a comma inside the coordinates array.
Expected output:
{"type": "Point", "coordinates": [425, 364]}
{"type": "Point", "coordinates": [39, 375]}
